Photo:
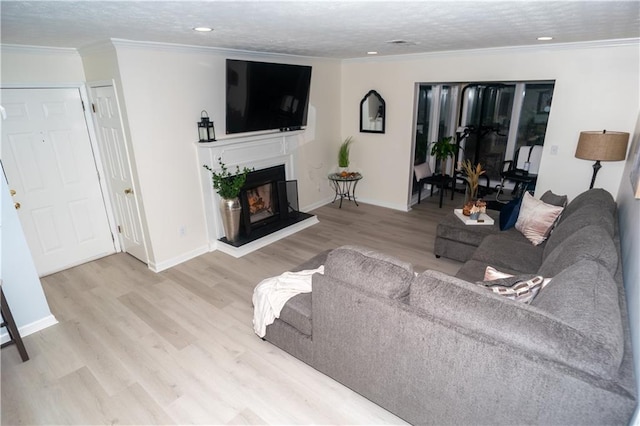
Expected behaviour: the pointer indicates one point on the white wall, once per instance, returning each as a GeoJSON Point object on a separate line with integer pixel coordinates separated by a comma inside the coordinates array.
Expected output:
{"type": "Point", "coordinates": [596, 88]}
{"type": "Point", "coordinates": [164, 89]}
{"type": "Point", "coordinates": [37, 66]}
{"type": "Point", "coordinates": [20, 281]}
{"type": "Point", "coordinates": [629, 215]}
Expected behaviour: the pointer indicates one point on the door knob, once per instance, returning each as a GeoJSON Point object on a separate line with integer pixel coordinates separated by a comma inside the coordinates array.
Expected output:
{"type": "Point", "coordinates": [12, 192]}
{"type": "Point", "coordinates": [128, 191]}
{"type": "Point", "coordinates": [17, 206]}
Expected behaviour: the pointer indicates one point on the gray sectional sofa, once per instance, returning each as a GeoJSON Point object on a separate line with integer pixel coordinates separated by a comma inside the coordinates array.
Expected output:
{"type": "Point", "coordinates": [437, 349]}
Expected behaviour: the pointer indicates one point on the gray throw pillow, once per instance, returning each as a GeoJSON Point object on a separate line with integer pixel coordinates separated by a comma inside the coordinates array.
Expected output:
{"type": "Point", "coordinates": [553, 199]}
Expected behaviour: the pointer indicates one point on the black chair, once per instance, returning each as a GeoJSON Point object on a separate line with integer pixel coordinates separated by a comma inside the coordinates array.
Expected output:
{"type": "Point", "coordinates": [523, 171]}
{"type": "Point", "coordinates": [424, 176]}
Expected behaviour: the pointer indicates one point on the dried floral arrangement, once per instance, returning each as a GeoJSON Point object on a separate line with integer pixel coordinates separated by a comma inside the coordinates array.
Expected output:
{"type": "Point", "coordinates": [473, 174]}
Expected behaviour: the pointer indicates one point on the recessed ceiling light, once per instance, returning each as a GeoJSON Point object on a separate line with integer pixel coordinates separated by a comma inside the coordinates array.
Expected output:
{"type": "Point", "coordinates": [203, 29]}
{"type": "Point", "coordinates": [545, 38]}
{"type": "Point", "coordinates": [372, 53]}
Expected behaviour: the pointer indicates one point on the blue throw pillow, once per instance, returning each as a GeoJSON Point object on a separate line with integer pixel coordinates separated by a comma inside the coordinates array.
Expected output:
{"type": "Point", "coordinates": [509, 214]}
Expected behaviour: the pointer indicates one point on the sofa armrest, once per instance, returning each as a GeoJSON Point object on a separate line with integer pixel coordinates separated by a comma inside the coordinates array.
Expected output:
{"type": "Point", "coordinates": [537, 333]}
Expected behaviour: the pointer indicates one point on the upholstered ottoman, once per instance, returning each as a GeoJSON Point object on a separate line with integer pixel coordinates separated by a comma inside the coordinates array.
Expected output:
{"type": "Point", "coordinates": [457, 241]}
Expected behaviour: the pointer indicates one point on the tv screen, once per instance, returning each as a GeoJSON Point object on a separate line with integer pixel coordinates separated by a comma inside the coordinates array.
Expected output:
{"type": "Point", "coordinates": [266, 96]}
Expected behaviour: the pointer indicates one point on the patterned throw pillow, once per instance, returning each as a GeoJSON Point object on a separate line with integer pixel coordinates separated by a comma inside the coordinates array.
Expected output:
{"type": "Point", "coordinates": [519, 288]}
{"type": "Point", "coordinates": [536, 218]}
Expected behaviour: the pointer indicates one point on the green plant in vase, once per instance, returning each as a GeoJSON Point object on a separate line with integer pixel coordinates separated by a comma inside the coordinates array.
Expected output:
{"type": "Point", "coordinates": [228, 185]}
{"type": "Point", "coordinates": [442, 150]}
{"type": "Point", "coordinates": [225, 183]}
{"type": "Point", "coordinates": [343, 153]}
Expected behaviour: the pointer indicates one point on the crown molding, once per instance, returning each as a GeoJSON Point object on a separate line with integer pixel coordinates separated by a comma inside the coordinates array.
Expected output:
{"type": "Point", "coordinates": [38, 50]}
{"type": "Point", "coordinates": [172, 47]}
{"type": "Point", "coordinates": [95, 48]}
{"type": "Point", "coordinates": [114, 43]}
{"type": "Point", "coordinates": [499, 50]}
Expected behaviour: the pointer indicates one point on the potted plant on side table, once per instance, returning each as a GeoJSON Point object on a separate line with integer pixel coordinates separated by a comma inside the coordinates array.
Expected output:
{"type": "Point", "coordinates": [442, 150]}
{"type": "Point", "coordinates": [228, 186]}
{"type": "Point", "coordinates": [343, 155]}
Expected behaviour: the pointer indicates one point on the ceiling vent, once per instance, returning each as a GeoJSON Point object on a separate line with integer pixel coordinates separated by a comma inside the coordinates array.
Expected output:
{"type": "Point", "coordinates": [400, 42]}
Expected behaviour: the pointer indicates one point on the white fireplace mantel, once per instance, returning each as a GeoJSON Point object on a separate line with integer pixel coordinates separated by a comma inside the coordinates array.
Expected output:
{"type": "Point", "coordinates": [255, 152]}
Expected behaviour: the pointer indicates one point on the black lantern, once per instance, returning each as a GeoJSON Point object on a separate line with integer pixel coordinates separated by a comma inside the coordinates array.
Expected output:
{"type": "Point", "coordinates": [206, 131]}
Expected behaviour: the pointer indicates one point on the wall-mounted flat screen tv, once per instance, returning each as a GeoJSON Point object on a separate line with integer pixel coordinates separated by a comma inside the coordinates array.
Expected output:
{"type": "Point", "coordinates": [266, 96]}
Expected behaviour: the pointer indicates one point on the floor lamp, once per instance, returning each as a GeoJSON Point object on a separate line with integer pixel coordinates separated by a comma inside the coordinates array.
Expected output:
{"type": "Point", "coordinates": [602, 146]}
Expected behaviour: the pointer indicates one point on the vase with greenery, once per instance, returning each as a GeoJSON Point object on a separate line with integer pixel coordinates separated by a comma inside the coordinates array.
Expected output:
{"type": "Point", "coordinates": [343, 153]}
{"type": "Point", "coordinates": [442, 150]}
{"type": "Point", "coordinates": [228, 185]}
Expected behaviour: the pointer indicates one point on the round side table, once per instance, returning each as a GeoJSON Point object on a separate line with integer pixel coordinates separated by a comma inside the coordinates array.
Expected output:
{"type": "Point", "coordinates": [345, 186]}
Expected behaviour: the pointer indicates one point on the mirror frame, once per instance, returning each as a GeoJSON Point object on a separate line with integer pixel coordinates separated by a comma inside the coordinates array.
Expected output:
{"type": "Point", "coordinates": [363, 114]}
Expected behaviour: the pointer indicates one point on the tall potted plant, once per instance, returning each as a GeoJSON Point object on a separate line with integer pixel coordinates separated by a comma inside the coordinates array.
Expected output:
{"type": "Point", "coordinates": [343, 153]}
{"type": "Point", "coordinates": [228, 186]}
{"type": "Point", "coordinates": [442, 150]}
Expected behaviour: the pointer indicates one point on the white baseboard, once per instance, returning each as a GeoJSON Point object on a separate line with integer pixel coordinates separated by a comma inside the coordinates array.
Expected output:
{"type": "Point", "coordinates": [170, 263]}
{"type": "Point", "coordinates": [28, 329]}
{"type": "Point", "coordinates": [316, 205]}
{"type": "Point", "coordinates": [401, 207]}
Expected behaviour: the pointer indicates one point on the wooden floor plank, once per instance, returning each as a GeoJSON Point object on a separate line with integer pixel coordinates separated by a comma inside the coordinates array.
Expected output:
{"type": "Point", "coordinates": [177, 347]}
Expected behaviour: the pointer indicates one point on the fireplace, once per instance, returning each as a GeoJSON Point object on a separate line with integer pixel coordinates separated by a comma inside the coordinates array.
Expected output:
{"type": "Point", "coordinates": [262, 203]}
{"type": "Point", "coordinates": [268, 225]}
{"type": "Point", "coordinates": [269, 203]}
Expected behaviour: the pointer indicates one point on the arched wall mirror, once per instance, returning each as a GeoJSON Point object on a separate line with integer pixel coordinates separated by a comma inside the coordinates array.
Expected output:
{"type": "Point", "coordinates": [372, 112]}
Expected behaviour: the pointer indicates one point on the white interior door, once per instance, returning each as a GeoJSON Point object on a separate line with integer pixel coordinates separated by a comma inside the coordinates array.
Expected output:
{"type": "Point", "coordinates": [118, 171]}
{"type": "Point", "coordinates": [49, 162]}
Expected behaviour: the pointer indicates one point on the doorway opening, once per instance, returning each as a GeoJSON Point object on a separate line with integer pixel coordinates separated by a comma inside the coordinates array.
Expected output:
{"type": "Point", "coordinates": [491, 122]}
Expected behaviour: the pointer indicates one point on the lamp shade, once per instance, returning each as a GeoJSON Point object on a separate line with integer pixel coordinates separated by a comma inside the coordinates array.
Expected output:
{"type": "Point", "coordinates": [602, 146]}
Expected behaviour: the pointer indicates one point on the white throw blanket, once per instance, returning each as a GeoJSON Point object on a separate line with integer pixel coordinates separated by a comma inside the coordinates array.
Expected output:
{"type": "Point", "coordinates": [271, 294]}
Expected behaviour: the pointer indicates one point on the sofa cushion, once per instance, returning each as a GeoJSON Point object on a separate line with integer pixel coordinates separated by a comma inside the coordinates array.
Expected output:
{"type": "Point", "coordinates": [595, 196]}
{"type": "Point", "coordinates": [536, 218]}
{"type": "Point", "coordinates": [590, 243]}
{"type": "Point", "coordinates": [297, 313]}
{"type": "Point", "coordinates": [585, 296]}
{"type": "Point", "coordinates": [507, 253]}
{"type": "Point", "coordinates": [527, 329]}
{"type": "Point", "coordinates": [588, 215]}
{"type": "Point", "coordinates": [372, 271]}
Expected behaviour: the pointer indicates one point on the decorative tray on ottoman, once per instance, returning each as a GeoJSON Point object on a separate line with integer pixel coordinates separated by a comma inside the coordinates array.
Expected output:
{"type": "Point", "coordinates": [484, 218]}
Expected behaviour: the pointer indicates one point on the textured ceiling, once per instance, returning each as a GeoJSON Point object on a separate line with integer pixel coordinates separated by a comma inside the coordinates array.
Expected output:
{"type": "Point", "coordinates": [333, 29]}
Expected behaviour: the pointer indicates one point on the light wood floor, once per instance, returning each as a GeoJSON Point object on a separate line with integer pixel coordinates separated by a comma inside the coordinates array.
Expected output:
{"type": "Point", "coordinates": [135, 347]}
